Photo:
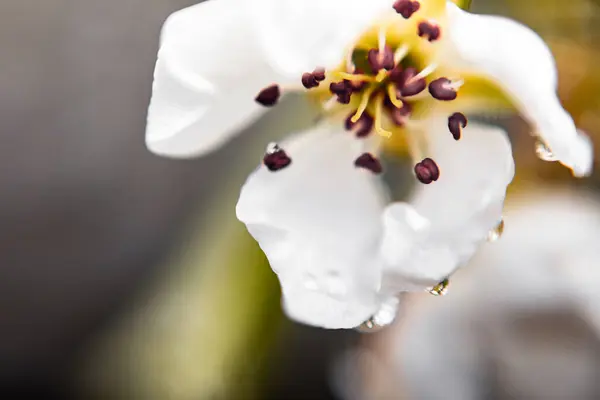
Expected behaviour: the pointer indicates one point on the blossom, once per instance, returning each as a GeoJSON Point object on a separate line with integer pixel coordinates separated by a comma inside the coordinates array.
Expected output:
{"type": "Point", "coordinates": [382, 73]}
{"type": "Point", "coordinates": [512, 307]}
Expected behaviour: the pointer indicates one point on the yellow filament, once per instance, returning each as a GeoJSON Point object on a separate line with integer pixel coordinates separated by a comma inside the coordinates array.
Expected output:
{"type": "Point", "coordinates": [381, 75]}
{"type": "Point", "coordinates": [392, 95]}
{"type": "Point", "coordinates": [353, 77]}
{"type": "Point", "coordinates": [364, 102]}
{"type": "Point", "coordinates": [378, 118]}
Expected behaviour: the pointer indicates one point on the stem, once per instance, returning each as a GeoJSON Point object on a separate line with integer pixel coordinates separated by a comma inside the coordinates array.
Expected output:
{"type": "Point", "coordinates": [464, 4]}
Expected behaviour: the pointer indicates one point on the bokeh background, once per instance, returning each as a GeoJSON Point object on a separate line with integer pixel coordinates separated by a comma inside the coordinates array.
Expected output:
{"type": "Point", "coordinates": [125, 275]}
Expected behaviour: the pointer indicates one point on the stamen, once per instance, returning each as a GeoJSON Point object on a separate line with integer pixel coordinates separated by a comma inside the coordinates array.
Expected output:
{"type": "Point", "coordinates": [338, 87]}
{"type": "Point", "coordinates": [268, 96]}
{"type": "Point", "coordinates": [442, 89]}
{"type": "Point", "coordinates": [381, 76]}
{"type": "Point", "coordinates": [406, 8]}
{"type": "Point", "coordinates": [427, 171]}
{"type": "Point", "coordinates": [309, 81]}
{"type": "Point", "coordinates": [409, 82]}
{"type": "Point", "coordinates": [400, 53]}
{"type": "Point", "coordinates": [381, 59]}
{"type": "Point", "coordinates": [382, 38]}
{"type": "Point", "coordinates": [350, 67]}
{"type": "Point", "coordinates": [345, 98]}
{"type": "Point", "coordinates": [364, 102]}
{"type": "Point", "coordinates": [425, 72]}
{"type": "Point", "coordinates": [319, 74]}
{"type": "Point", "coordinates": [455, 122]}
{"type": "Point", "coordinates": [456, 84]}
{"type": "Point", "coordinates": [378, 118]}
{"type": "Point", "coordinates": [276, 158]}
{"type": "Point", "coordinates": [368, 161]}
{"type": "Point", "coordinates": [429, 30]}
{"type": "Point", "coordinates": [342, 90]}
{"type": "Point", "coordinates": [331, 103]}
{"type": "Point", "coordinates": [391, 90]}
{"type": "Point", "coordinates": [364, 124]}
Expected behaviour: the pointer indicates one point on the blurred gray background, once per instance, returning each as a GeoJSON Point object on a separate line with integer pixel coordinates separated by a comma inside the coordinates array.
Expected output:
{"type": "Point", "coordinates": [88, 217]}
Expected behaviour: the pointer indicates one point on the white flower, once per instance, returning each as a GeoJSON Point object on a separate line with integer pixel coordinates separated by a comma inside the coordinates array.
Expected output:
{"type": "Point", "coordinates": [394, 72]}
{"type": "Point", "coordinates": [546, 266]}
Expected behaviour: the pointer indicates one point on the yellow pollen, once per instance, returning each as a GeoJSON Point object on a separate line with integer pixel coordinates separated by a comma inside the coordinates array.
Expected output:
{"type": "Point", "coordinates": [379, 117]}
{"type": "Point", "coordinates": [353, 77]}
{"type": "Point", "coordinates": [364, 102]}
{"type": "Point", "coordinates": [391, 90]}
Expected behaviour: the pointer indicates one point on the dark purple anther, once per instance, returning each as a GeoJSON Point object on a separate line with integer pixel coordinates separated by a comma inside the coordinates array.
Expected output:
{"type": "Point", "coordinates": [362, 127]}
{"type": "Point", "coordinates": [268, 96]}
{"type": "Point", "coordinates": [456, 122]}
{"type": "Point", "coordinates": [441, 89]}
{"type": "Point", "coordinates": [343, 90]}
{"type": "Point", "coordinates": [276, 160]}
{"type": "Point", "coordinates": [407, 83]}
{"type": "Point", "coordinates": [319, 74]}
{"type": "Point", "coordinates": [430, 31]}
{"type": "Point", "coordinates": [406, 8]}
{"type": "Point", "coordinates": [309, 81]}
{"type": "Point", "coordinates": [427, 171]}
{"type": "Point", "coordinates": [338, 87]}
{"type": "Point", "coordinates": [367, 161]}
{"type": "Point", "coordinates": [378, 60]}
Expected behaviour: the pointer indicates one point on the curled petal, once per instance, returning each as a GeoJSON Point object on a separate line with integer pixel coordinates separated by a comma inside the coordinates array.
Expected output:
{"type": "Point", "coordinates": [448, 219]}
{"type": "Point", "coordinates": [520, 62]}
{"type": "Point", "coordinates": [318, 223]}
{"type": "Point", "coordinates": [208, 72]}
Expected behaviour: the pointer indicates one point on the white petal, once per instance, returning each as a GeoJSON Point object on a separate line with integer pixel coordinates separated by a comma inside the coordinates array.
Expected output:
{"type": "Point", "coordinates": [520, 62]}
{"type": "Point", "coordinates": [449, 218]}
{"type": "Point", "coordinates": [318, 222]}
{"type": "Point", "coordinates": [208, 72]}
{"type": "Point", "coordinates": [301, 35]}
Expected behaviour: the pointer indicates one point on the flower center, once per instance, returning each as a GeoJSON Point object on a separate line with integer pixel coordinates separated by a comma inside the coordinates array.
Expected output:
{"type": "Point", "coordinates": [378, 85]}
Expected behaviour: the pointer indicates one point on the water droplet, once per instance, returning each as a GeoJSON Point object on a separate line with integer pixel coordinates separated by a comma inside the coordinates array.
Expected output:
{"type": "Point", "coordinates": [441, 289]}
{"type": "Point", "coordinates": [272, 148]}
{"type": "Point", "coordinates": [496, 233]}
{"type": "Point", "coordinates": [383, 318]}
{"type": "Point", "coordinates": [543, 151]}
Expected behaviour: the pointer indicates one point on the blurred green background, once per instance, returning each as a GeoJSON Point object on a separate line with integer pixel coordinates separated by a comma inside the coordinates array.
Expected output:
{"type": "Point", "coordinates": [126, 275]}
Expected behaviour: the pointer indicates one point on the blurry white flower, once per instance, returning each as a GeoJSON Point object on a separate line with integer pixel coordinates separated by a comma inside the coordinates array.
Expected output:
{"type": "Point", "coordinates": [516, 308]}
{"type": "Point", "coordinates": [384, 71]}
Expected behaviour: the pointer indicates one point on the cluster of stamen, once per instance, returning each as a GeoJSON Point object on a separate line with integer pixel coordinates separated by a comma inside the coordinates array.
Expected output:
{"type": "Point", "coordinates": [378, 85]}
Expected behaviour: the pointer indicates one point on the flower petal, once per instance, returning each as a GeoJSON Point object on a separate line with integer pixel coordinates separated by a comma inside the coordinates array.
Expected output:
{"type": "Point", "coordinates": [208, 72]}
{"type": "Point", "coordinates": [318, 222]}
{"type": "Point", "coordinates": [449, 218]}
{"type": "Point", "coordinates": [520, 62]}
{"type": "Point", "coordinates": [301, 35]}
